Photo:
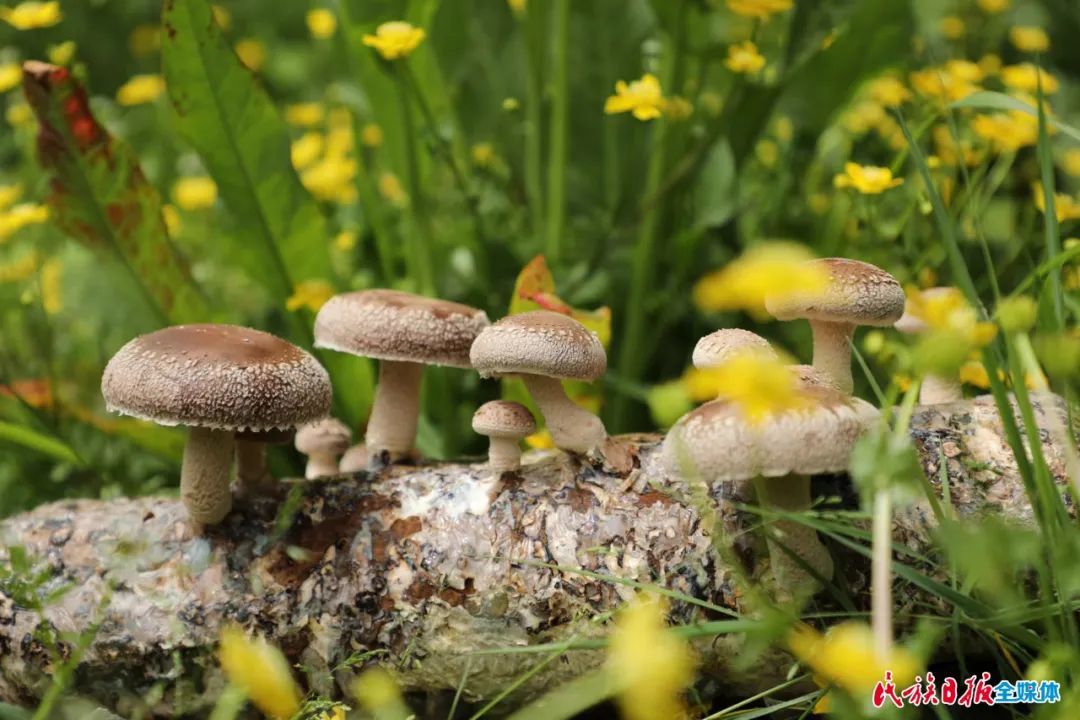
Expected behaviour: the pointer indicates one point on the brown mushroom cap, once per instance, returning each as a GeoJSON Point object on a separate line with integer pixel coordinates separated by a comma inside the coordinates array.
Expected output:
{"type": "Point", "coordinates": [718, 347]}
{"type": "Point", "coordinates": [328, 435]}
{"type": "Point", "coordinates": [858, 293]}
{"type": "Point", "coordinates": [539, 343]}
{"type": "Point", "coordinates": [221, 377]}
{"type": "Point", "coordinates": [722, 445]}
{"type": "Point", "coordinates": [400, 326]}
{"type": "Point", "coordinates": [503, 419]}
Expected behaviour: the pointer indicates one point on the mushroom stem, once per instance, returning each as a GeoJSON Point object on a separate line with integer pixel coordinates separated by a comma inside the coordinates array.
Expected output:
{"type": "Point", "coordinates": [252, 474]}
{"type": "Point", "coordinates": [321, 465]}
{"type": "Point", "coordinates": [790, 539]}
{"type": "Point", "coordinates": [832, 352]}
{"type": "Point", "coordinates": [204, 474]}
{"type": "Point", "coordinates": [392, 425]}
{"type": "Point", "coordinates": [572, 427]}
{"type": "Point", "coordinates": [354, 460]}
{"type": "Point", "coordinates": [937, 389]}
{"type": "Point", "coordinates": [504, 454]}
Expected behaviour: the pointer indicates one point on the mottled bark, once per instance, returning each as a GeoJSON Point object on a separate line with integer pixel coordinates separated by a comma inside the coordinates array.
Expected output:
{"type": "Point", "coordinates": [420, 564]}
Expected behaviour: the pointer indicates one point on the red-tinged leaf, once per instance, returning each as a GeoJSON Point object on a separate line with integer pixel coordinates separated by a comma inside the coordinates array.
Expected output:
{"type": "Point", "coordinates": [99, 195]}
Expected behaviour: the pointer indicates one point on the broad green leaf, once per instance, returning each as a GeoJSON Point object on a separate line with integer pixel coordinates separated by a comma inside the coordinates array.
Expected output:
{"type": "Point", "coordinates": [100, 197]}
{"type": "Point", "coordinates": [38, 442]}
{"type": "Point", "coordinates": [229, 119]}
{"type": "Point", "coordinates": [989, 100]}
{"type": "Point", "coordinates": [715, 195]}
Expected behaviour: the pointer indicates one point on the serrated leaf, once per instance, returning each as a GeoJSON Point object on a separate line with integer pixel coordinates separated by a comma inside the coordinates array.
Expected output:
{"type": "Point", "coordinates": [225, 114]}
{"type": "Point", "coordinates": [100, 197]}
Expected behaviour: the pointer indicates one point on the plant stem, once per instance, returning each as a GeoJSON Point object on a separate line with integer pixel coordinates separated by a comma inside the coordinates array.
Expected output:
{"type": "Point", "coordinates": [556, 195]}
{"type": "Point", "coordinates": [420, 260]}
{"type": "Point", "coordinates": [534, 119]}
{"type": "Point", "coordinates": [881, 574]}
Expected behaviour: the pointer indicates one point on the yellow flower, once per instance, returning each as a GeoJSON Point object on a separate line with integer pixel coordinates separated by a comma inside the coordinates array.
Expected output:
{"type": "Point", "coordinates": [483, 154]}
{"type": "Point", "coordinates": [863, 116]}
{"type": "Point", "coordinates": [758, 384]}
{"type": "Point", "coordinates": [20, 216]}
{"type": "Point", "coordinates": [310, 294]}
{"type": "Point", "coordinates": [650, 665]}
{"type": "Point", "coordinates": [261, 671]}
{"type": "Point", "coordinates": [1066, 207]}
{"type": "Point", "coordinates": [989, 64]}
{"type": "Point", "coordinates": [322, 23]}
{"type": "Point", "coordinates": [307, 149]}
{"type": "Point", "coordinates": [889, 91]}
{"type": "Point", "coordinates": [518, 6]}
{"type": "Point", "coordinates": [974, 373]}
{"type": "Point", "coordinates": [1025, 77]}
{"type": "Point", "coordinates": [768, 269]}
{"type": "Point", "coordinates": [61, 53]}
{"type": "Point", "coordinates": [992, 7]}
{"type": "Point", "coordinates": [953, 331]}
{"type": "Point", "coordinates": [145, 40]}
{"type": "Point", "coordinates": [346, 240]}
{"type": "Point", "coordinates": [944, 84]}
{"type": "Point", "coordinates": [952, 27]}
{"type": "Point", "coordinates": [866, 179]}
{"type": "Point", "coordinates": [395, 39]}
{"type": "Point", "coordinates": [221, 16]}
{"type": "Point", "coordinates": [540, 440]}
{"type": "Point", "coordinates": [760, 9]}
{"type": "Point", "coordinates": [1007, 132]}
{"type": "Point", "coordinates": [171, 216]}
{"type": "Point", "coordinates": [1029, 38]}
{"type": "Point", "coordinates": [844, 657]}
{"type": "Point", "coordinates": [371, 135]}
{"type": "Point", "coordinates": [32, 15]}
{"type": "Point", "coordinates": [252, 53]}
{"type": "Point", "coordinates": [52, 297]}
{"type": "Point", "coordinates": [10, 76]}
{"type": "Point", "coordinates": [744, 58]}
{"type": "Point", "coordinates": [337, 713]}
{"type": "Point", "coordinates": [331, 179]}
{"type": "Point", "coordinates": [377, 693]}
{"type": "Point", "coordinates": [140, 89]}
{"type": "Point", "coordinates": [9, 195]}
{"type": "Point", "coordinates": [20, 269]}
{"type": "Point", "coordinates": [391, 190]}
{"type": "Point", "coordinates": [1071, 161]}
{"type": "Point", "coordinates": [194, 193]}
{"type": "Point", "coordinates": [18, 114]}
{"type": "Point", "coordinates": [643, 98]}
{"type": "Point", "coordinates": [305, 114]}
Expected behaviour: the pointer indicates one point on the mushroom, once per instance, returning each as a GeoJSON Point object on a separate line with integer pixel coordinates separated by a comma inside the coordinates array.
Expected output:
{"type": "Point", "coordinates": [857, 293]}
{"type": "Point", "coordinates": [355, 459]}
{"type": "Point", "coordinates": [778, 454]}
{"type": "Point", "coordinates": [252, 473]}
{"type": "Point", "coordinates": [506, 424]}
{"type": "Point", "coordinates": [403, 332]}
{"type": "Point", "coordinates": [935, 388]}
{"type": "Point", "coordinates": [218, 380]}
{"type": "Point", "coordinates": [323, 441]}
{"type": "Point", "coordinates": [542, 348]}
{"type": "Point", "coordinates": [718, 347]}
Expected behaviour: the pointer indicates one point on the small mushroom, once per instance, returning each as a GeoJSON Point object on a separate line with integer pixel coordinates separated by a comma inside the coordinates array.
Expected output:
{"type": "Point", "coordinates": [542, 348]}
{"type": "Point", "coordinates": [718, 347]}
{"type": "Point", "coordinates": [323, 441]}
{"type": "Point", "coordinates": [506, 424]}
{"type": "Point", "coordinates": [778, 455]}
{"type": "Point", "coordinates": [857, 293]}
{"type": "Point", "coordinates": [403, 332]}
{"type": "Point", "coordinates": [935, 388]}
{"type": "Point", "coordinates": [218, 380]}
{"type": "Point", "coordinates": [355, 459]}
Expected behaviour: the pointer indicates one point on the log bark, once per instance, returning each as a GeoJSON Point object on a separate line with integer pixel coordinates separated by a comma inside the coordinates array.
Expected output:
{"type": "Point", "coordinates": [423, 566]}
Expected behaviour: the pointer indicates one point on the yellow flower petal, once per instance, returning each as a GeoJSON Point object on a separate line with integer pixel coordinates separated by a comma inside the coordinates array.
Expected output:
{"type": "Point", "coordinates": [261, 671]}
{"type": "Point", "coordinates": [643, 98]}
{"type": "Point", "coordinates": [322, 23]}
{"type": "Point", "coordinates": [394, 40]}
{"type": "Point", "coordinates": [32, 15]}
{"type": "Point", "coordinates": [194, 193]}
{"type": "Point", "coordinates": [10, 76]}
{"type": "Point", "coordinates": [140, 89]}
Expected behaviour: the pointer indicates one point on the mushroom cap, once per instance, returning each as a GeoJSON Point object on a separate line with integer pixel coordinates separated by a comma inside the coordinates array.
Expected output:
{"type": "Point", "coordinates": [503, 419]}
{"type": "Point", "coordinates": [328, 435]}
{"type": "Point", "coordinates": [222, 377]}
{"type": "Point", "coordinates": [858, 293]}
{"type": "Point", "coordinates": [540, 342]}
{"type": "Point", "coordinates": [718, 442]}
{"type": "Point", "coordinates": [400, 326]}
{"type": "Point", "coordinates": [718, 347]}
{"type": "Point", "coordinates": [910, 324]}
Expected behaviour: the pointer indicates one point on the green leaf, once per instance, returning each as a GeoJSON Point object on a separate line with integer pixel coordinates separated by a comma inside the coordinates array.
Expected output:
{"type": "Point", "coordinates": [714, 195]}
{"type": "Point", "coordinates": [989, 100]}
{"type": "Point", "coordinates": [229, 119]}
{"type": "Point", "coordinates": [39, 442]}
{"type": "Point", "coordinates": [571, 698]}
{"type": "Point", "coordinates": [100, 197]}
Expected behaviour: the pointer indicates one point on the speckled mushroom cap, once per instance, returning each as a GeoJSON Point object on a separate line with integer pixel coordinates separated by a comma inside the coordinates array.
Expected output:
{"type": "Point", "coordinates": [913, 325]}
{"type": "Point", "coordinates": [718, 347]}
{"type": "Point", "coordinates": [222, 377]}
{"type": "Point", "coordinates": [328, 435]}
{"type": "Point", "coordinates": [395, 325]}
{"type": "Point", "coordinates": [718, 441]}
{"type": "Point", "coordinates": [503, 419]}
{"type": "Point", "coordinates": [539, 343]}
{"type": "Point", "coordinates": [857, 293]}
